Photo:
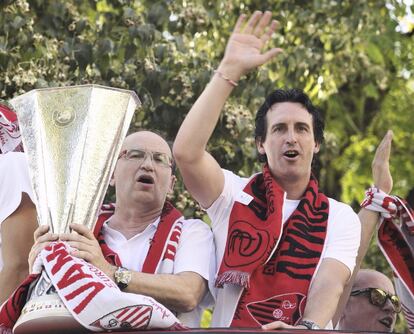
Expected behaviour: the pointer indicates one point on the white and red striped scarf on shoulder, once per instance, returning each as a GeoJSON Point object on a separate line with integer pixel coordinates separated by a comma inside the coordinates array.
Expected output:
{"type": "Point", "coordinates": [91, 297]}
{"type": "Point", "coordinates": [10, 139]}
{"type": "Point", "coordinates": [396, 241]}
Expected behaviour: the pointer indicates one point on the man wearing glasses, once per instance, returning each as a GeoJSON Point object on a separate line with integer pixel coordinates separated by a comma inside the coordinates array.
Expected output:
{"type": "Point", "coordinates": [372, 306]}
{"type": "Point", "coordinates": [142, 242]}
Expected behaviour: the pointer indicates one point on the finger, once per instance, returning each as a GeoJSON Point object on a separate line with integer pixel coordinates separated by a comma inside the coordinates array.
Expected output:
{"type": "Point", "coordinates": [81, 246]}
{"type": "Point", "coordinates": [72, 237]}
{"type": "Point", "coordinates": [82, 255]}
{"type": "Point", "coordinates": [37, 248]}
{"type": "Point", "coordinates": [266, 36]}
{"type": "Point", "coordinates": [82, 230]}
{"type": "Point", "coordinates": [48, 237]}
{"type": "Point", "coordinates": [263, 23]}
{"type": "Point", "coordinates": [42, 229]}
{"type": "Point", "coordinates": [272, 325]}
{"type": "Point", "coordinates": [252, 22]}
{"type": "Point", "coordinates": [384, 148]}
{"type": "Point", "coordinates": [239, 23]}
{"type": "Point", "coordinates": [267, 56]}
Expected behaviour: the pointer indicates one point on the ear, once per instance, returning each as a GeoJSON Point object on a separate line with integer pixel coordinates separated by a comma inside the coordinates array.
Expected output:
{"type": "Point", "coordinates": [172, 184]}
{"type": "Point", "coordinates": [259, 146]}
{"type": "Point", "coordinates": [317, 148]}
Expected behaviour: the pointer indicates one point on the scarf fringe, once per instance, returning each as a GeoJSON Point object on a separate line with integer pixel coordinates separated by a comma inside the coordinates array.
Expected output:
{"type": "Point", "coordinates": [240, 278]}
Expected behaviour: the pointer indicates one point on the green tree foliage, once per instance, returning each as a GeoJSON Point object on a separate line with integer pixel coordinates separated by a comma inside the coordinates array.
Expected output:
{"type": "Point", "coordinates": [347, 55]}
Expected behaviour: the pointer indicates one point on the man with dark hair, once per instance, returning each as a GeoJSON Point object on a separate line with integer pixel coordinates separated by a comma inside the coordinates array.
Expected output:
{"type": "Point", "coordinates": [294, 96]}
{"type": "Point", "coordinates": [284, 250]}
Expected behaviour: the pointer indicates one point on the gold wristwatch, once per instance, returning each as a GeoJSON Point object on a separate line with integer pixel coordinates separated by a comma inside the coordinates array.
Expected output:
{"type": "Point", "coordinates": [122, 277]}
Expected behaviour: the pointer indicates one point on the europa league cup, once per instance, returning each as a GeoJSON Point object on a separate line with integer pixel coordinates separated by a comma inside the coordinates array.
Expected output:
{"type": "Point", "coordinates": [72, 137]}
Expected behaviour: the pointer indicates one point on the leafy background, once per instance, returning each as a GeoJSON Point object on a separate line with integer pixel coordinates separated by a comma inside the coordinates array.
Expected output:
{"type": "Point", "coordinates": [354, 58]}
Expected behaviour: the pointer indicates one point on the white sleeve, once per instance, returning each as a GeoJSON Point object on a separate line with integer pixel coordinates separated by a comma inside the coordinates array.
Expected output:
{"type": "Point", "coordinates": [344, 234]}
{"type": "Point", "coordinates": [14, 180]}
{"type": "Point", "coordinates": [195, 249]}
{"type": "Point", "coordinates": [219, 211]}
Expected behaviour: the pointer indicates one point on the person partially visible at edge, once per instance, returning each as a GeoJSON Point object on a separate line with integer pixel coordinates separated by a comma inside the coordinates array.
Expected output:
{"type": "Point", "coordinates": [372, 305]}
{"type": "Point", "coordinates": [284, 249]}
{"type": "Point", "coordinates": [393, 219]}
{"type": "Point", "coordinates": [17, 211]}
{"type": "Point", "coordinates": [133, 228]}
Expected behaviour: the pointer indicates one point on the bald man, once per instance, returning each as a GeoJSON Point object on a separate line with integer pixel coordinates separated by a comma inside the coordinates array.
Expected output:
{"type": "Point", "coordinates": [372, 306]}
{"type": "Point", "coordinates": [140, 222]}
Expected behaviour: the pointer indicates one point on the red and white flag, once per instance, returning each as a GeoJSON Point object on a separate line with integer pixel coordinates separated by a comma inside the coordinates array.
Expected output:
{"type": "Point", "coordinates": [10, 139]}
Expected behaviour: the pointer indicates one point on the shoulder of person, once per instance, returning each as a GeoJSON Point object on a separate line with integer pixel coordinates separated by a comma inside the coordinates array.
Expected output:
{"type": "Point", "coordinates": [338, 208]}
{"type": "Point", "coordinates": [194, 223]}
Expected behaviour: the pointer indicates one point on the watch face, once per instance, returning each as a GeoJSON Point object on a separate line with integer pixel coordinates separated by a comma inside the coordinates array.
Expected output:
{"type": "Point", "coordinates": [125, 277]}
{"type": "Point", "coordinates": [122, 277]}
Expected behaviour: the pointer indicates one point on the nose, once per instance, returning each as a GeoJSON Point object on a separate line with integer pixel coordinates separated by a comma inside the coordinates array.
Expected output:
{"type": "Point", "coordinates": [147, 163]}
{"type": "Point", "coordinates": [291, 136]}
{"type": "Point", "coordinates": [388, 307]}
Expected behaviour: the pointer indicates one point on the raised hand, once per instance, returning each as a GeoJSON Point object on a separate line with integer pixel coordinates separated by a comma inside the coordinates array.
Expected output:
{"type": "Point", "coordinates": [244, 50]}
{"type": "Point", "coordinates": [381, 164]}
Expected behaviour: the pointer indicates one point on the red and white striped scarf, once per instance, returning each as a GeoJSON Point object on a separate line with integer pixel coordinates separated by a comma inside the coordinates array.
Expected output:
{"type": "Point", "coordinates": [161, 255]}
{"type": "Point", "coordinates": [10, 139]}
{"type": "Point", "coordinates": [396, 241]}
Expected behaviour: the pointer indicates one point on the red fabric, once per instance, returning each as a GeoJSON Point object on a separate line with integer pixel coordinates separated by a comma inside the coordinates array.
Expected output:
{"type": "Point", "coordinates": [10, 310]}
{"type": "Point", "coordinates": [169, 216]}
{"type": "Point", "coordinates": [254, 230]}
{"type": "Point", "coordinates": [397, 251]}
{"type": "Point", "coordinates": [10, 139]}
{"type": "Point", "coordinates": [296, 251]}
{"type": "Point", "coordinates": [394, 238]}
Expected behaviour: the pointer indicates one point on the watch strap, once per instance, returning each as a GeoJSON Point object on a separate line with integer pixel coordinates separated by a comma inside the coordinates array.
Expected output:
{"type": "Point", "coordinates": [309, 324]}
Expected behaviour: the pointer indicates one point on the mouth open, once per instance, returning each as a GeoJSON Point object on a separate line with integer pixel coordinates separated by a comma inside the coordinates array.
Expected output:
{"type": "Point", "coordinates": [291, 154]}
{"type": "Point", "coordinates": [146, 179]}
{"type": "Point", "coordinates": [387, 322]}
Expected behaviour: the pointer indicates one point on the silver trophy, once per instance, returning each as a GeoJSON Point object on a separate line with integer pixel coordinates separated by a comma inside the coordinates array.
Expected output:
{"type": "Point", "coordinates": [72, 137]}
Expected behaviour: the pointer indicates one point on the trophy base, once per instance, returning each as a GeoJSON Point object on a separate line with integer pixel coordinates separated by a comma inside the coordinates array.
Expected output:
{"type": "Point", "coordinates": [47, 314]}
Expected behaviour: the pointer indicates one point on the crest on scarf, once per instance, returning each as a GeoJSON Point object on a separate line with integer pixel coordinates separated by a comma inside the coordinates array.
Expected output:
{"type": "Point", "coordinates": [247, 242]}
{"type": "Point", "coordinates": [277, 308]}
{"type": "Point", "coordinates": [131, 317]}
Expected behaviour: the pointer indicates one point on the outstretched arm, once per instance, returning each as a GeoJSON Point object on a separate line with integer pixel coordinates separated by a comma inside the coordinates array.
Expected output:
{"type": "Point", "coordinates": [201, 173]}
{"type": "Point", "coordinates": [383, 180]}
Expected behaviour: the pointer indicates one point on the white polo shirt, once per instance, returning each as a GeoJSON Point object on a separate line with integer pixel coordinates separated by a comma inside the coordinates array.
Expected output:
{"type": "Point", "coordinates": [194, 253]}
{"type": "Point", "coordinates": [342, 240]}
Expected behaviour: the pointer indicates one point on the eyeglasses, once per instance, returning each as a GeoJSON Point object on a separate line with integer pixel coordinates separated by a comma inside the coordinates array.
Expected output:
{"type": "Point", "coordinates": [137, 155]}
{"type": "Point", "coordinates": [378, 297]}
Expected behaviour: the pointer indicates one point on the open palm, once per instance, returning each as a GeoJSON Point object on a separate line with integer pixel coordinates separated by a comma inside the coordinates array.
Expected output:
{"type": "Point", "coordinates": [245, 46]}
